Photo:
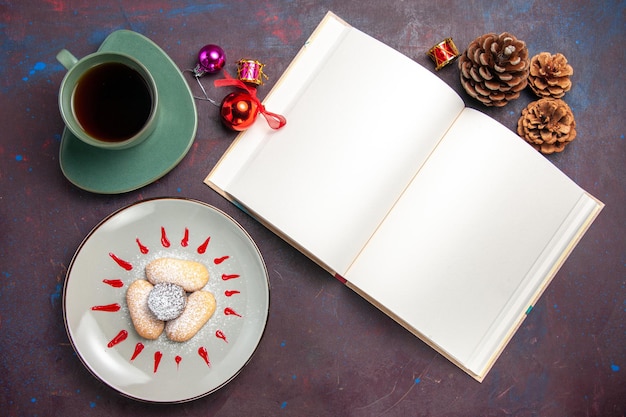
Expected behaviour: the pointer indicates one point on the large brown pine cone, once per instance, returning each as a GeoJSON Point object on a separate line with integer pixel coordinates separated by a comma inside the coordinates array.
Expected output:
{"type": "Point", "coordinates": [549, 75]}
{"type": "Point", "coordinates": [494, 68]}
{"type": "Point", "coordinates": [547, 124]}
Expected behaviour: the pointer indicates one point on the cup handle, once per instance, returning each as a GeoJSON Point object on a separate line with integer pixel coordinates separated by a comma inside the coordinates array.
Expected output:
{"type": "Point", "coordinates": [66, 58]}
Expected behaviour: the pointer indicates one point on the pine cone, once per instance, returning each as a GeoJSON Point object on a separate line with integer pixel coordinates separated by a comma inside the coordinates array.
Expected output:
{"type": "Point", "coordinates": [494, 68]}
{"type": "Point", "coordinates": [549, 75]}
{"type": "Point", "coordinates": [547, 124]}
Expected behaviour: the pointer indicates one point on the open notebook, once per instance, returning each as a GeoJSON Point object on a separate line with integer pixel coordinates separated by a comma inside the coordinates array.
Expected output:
{"type": "Point", "coordinates": [437, 214]}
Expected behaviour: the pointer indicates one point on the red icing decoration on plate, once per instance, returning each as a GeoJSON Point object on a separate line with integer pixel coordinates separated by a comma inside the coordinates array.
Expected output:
{"type": "Point", "coordinates": [121, 336]}
{"type": "Point", "coordinates": [138, 348]}
{"type": "Point", "coordinates": [202, 248]}
{"type": "Point", "coordinates": [109, 307]}
{"type": "Point", "coordinates": [116, 283]}
{"type": "Point", "coordinates": [164, 240]}
{"type": "Point", "coordinates": [204, 354]}
{"type": "Point", "coordinates": [230, 312]}
{"type": "Point", "coordinates": [226, 277]}
{"type": "Point", "coordinates": [218, 261]}
{"type": "Point", "coordinates": [185, 241]}
{"type": "Point", "coordinates": [157, 360]}
{"type": "Point", "coordinates": [122, 263]}
{"type": "Point", "coordinates": [143, 249]}
{"type": "Point", "coordinates": [220, 335]}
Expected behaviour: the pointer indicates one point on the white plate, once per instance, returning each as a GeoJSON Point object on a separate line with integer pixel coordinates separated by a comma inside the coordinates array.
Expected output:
{"type": "Point", "coordinates": [175, 228]}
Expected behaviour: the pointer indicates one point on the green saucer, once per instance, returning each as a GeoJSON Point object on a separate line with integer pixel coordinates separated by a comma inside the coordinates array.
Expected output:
{"type": "Point", "coordinates": [112, 172]}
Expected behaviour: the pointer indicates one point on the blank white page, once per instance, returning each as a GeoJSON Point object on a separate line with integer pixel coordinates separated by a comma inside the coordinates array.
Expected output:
{"type": "Point", "coordinates": [471, 241]}
{"type": "Point", "coordinates": [355, 135]}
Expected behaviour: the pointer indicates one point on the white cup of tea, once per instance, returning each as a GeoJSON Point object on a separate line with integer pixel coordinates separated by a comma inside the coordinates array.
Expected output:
{"type": "Point", "coordinates": [108, 99]}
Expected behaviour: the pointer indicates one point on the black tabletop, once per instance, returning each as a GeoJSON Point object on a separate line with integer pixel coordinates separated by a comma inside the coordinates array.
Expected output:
{"type": "Point", "coordinates": [325, 351]}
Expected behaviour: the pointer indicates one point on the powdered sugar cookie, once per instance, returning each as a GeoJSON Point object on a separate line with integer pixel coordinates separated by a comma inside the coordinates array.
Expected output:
{"type": "Point", "coordinates": [199, 309]}
{"type": "Point", "coordinates": [146, 324]}
{"type": "Point", "coordinates": [190, 275]}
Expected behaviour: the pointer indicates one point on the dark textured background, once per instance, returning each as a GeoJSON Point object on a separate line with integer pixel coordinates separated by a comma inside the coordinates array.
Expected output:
{"type": "Point", "coordinates": [326, 352]}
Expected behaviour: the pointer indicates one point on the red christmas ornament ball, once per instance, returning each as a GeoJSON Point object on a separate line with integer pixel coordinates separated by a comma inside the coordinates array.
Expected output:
{"type": "Point", "coordinates": [239, 111]}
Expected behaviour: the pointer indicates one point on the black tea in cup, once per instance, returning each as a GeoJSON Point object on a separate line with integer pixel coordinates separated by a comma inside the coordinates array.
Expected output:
{"type": "Point", "coordinates": [112, 102]}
